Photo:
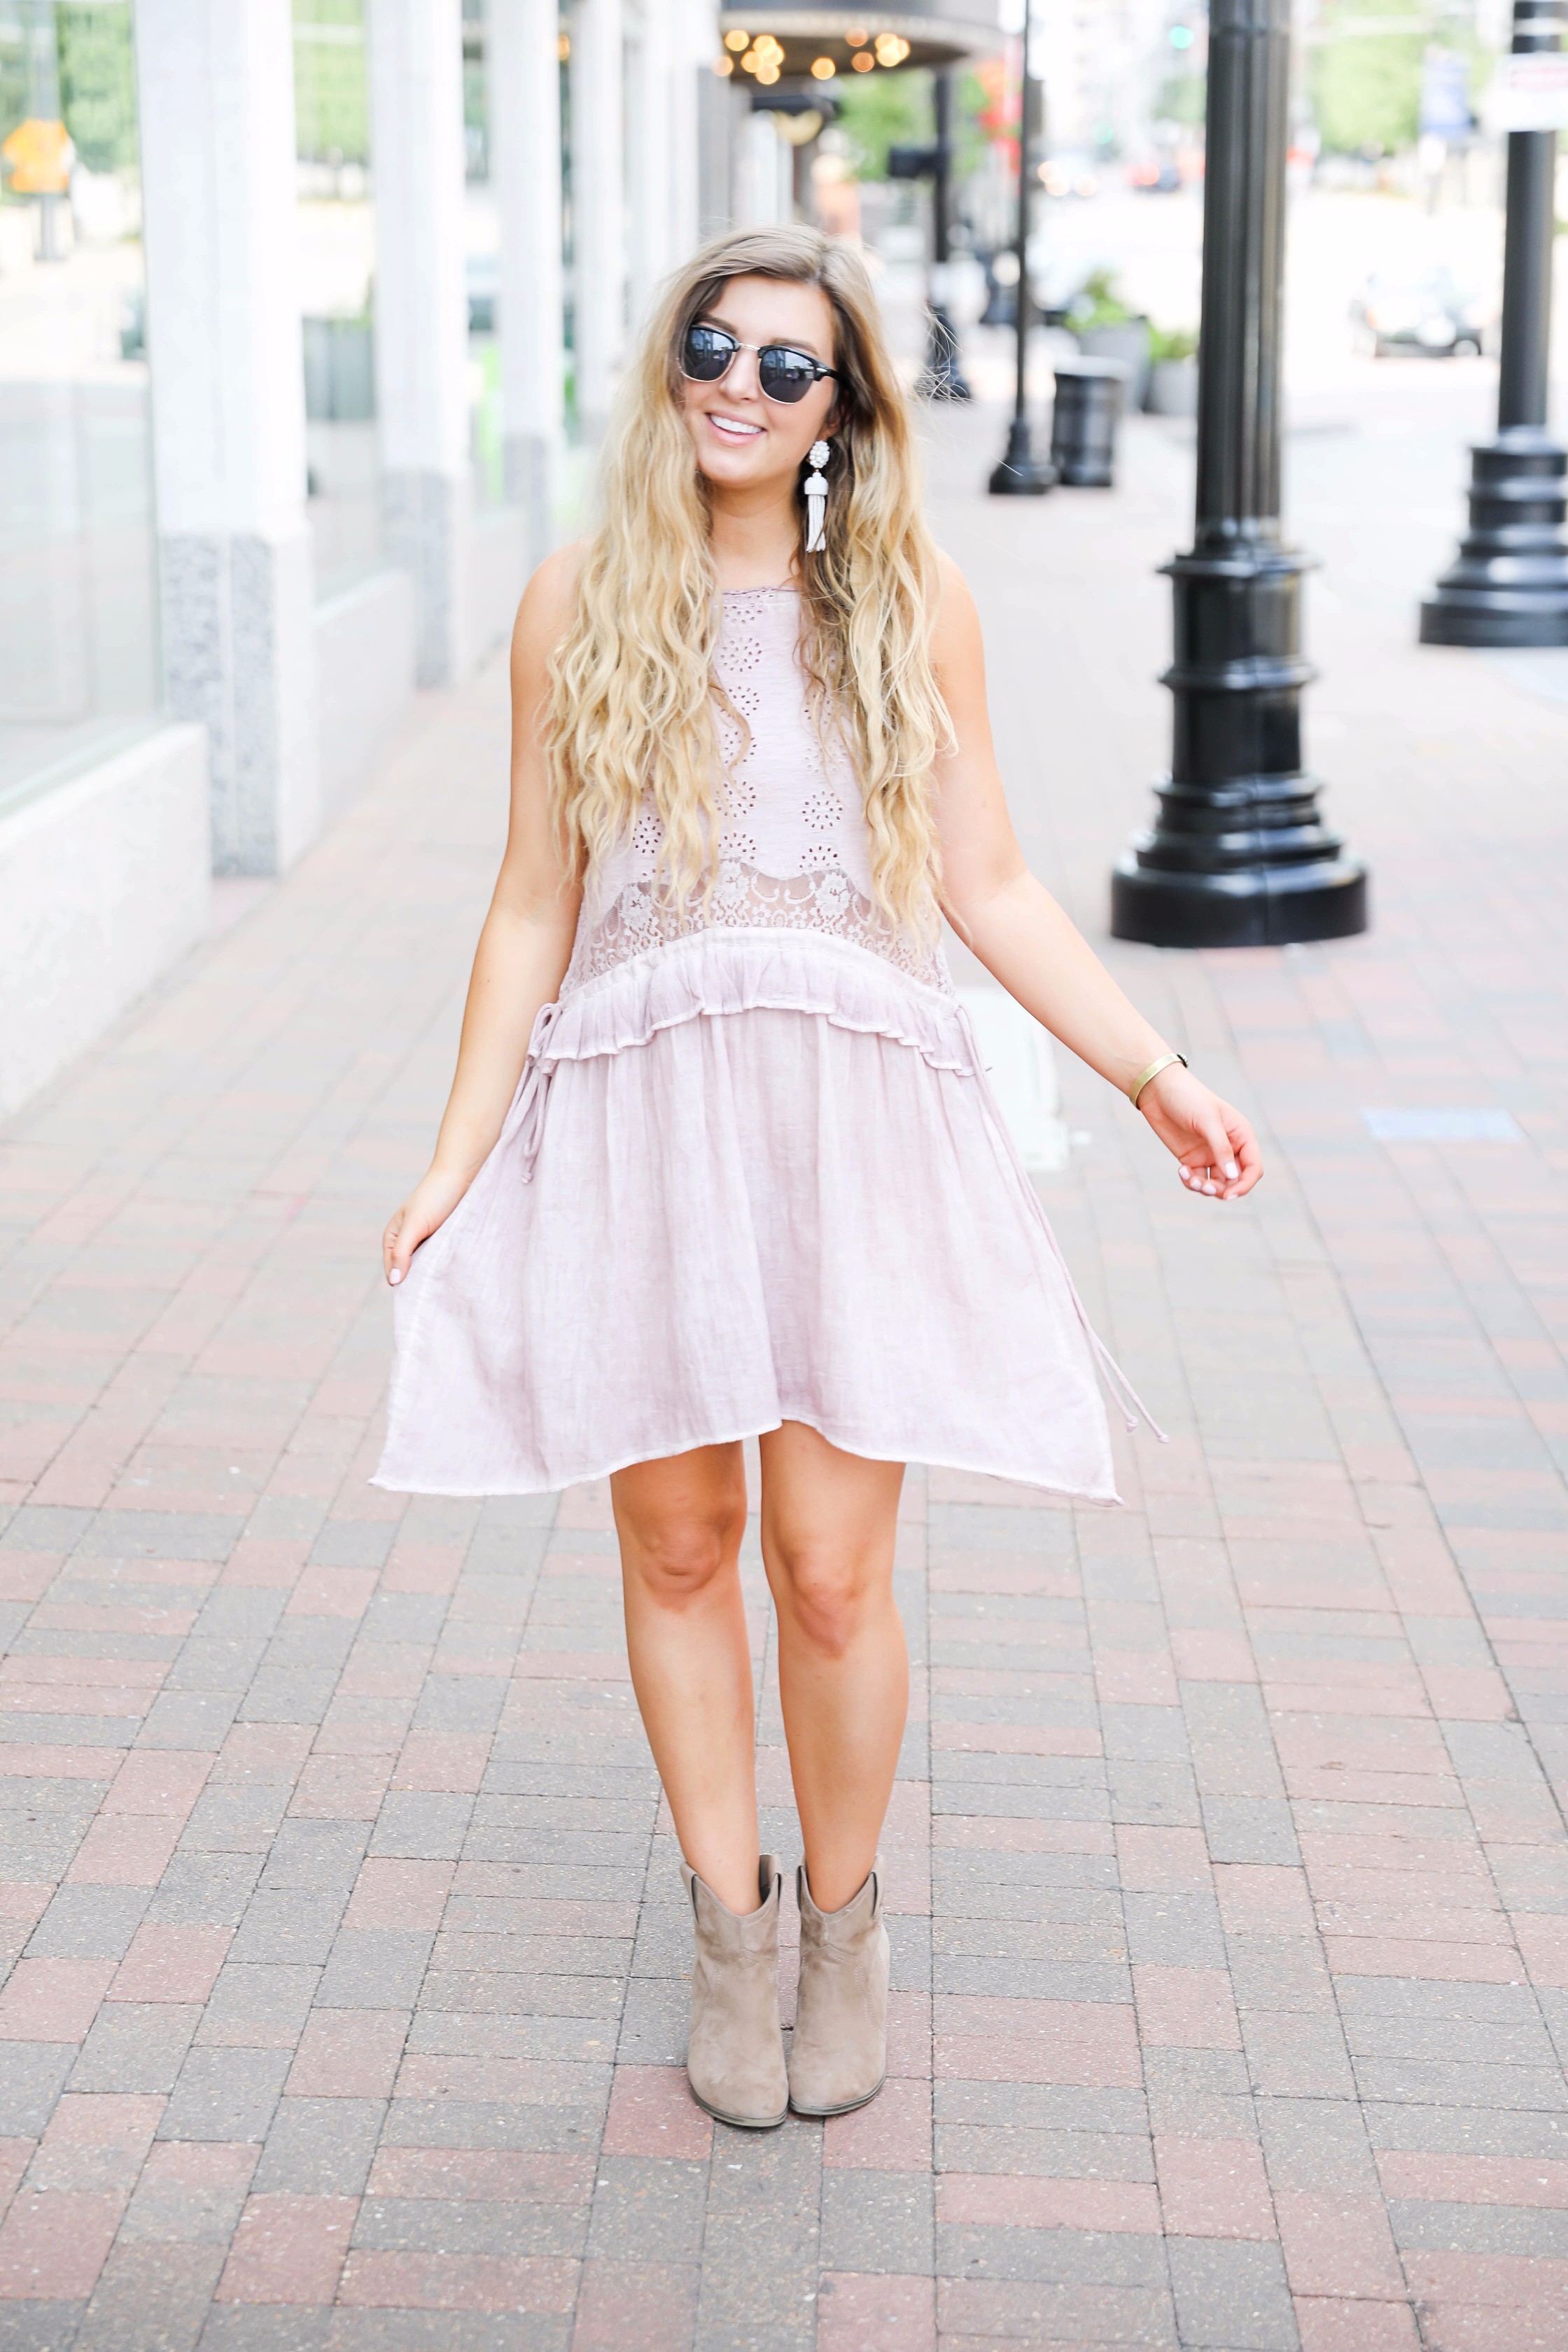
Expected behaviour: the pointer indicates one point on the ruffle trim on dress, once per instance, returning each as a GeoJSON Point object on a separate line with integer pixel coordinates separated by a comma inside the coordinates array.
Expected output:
{"type": "Point", "coordinates": [714, 973]}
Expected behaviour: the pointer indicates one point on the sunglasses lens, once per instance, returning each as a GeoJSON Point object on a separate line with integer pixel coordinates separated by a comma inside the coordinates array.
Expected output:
{"type": "Point", "coordinates": [786, 375]}
{"type": "Point", "coordinates": [706, 353]}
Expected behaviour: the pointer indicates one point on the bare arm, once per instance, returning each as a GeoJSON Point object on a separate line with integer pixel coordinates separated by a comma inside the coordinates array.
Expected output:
{"type": "Point", "coordinates": [525, 947]}
{"type": "Point", "coordinates": [1022, 937]}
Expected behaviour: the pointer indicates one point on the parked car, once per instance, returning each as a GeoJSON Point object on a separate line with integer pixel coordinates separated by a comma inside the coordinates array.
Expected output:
{"type": "Point", "coordinates": [1425, 311]}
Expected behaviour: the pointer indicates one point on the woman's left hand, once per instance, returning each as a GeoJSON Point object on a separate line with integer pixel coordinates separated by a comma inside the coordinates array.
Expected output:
{"type": "Point", "coordinates": [1216, 1148]}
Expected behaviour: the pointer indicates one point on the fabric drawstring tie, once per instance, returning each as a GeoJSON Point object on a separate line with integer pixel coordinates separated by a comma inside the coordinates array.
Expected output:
{"type": "Point", "coordinates": [526, 1120]}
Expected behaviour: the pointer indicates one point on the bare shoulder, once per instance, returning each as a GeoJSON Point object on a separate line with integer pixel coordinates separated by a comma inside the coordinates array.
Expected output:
{"type": "Point", "coordinates": [548, 603]}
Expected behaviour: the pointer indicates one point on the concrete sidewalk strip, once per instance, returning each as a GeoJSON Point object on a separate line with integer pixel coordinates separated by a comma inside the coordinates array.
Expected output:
{"type": "Point", "coordinates": [1228, 1880]}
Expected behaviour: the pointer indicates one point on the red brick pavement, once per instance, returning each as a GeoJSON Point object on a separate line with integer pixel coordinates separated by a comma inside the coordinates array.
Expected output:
{"type": "Point", "coordinates": [1229, 1878]}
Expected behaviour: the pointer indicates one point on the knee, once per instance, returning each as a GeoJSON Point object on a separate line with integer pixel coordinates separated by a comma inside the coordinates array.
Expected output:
{"type": "Point", "coordinates": [828, 1599]}
{"type": "Point", "coordinates": [678, 1560]}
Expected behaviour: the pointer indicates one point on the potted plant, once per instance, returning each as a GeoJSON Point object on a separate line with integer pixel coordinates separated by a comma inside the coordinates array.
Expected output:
{"type": "Point", "coordinates": [1107, 329]}
{"type": "Point", "coordinates": [1173, 372]}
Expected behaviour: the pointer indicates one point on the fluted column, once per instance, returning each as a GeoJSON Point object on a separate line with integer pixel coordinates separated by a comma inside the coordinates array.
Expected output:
{"type": "Point", "coordinates": [525, 163]}
{"type": "Point", "coordinates": [421, 313]}
{"type": "Point", "coordinates": [215, 88]}
{"type": "Point", "coordinates": [598, 206]}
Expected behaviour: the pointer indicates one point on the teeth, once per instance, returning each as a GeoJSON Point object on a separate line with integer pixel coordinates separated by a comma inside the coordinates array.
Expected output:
{"type": "Point", "coordinates": [734, 424]}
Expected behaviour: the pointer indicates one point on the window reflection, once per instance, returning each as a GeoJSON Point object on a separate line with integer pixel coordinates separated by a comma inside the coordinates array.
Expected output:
{"type": "Point", "coordinates": [79, 649]}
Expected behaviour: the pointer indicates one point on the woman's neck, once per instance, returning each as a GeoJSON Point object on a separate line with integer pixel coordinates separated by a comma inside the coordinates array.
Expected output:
{"type": "Point", "coordinates": [754, 545]}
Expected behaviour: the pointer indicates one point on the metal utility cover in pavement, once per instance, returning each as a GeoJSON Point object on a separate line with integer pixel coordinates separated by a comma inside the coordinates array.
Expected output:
{"type": "Point", "coordinates": [1444, 1126]}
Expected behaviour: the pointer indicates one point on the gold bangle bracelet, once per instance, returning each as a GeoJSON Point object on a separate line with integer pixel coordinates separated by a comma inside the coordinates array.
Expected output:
{"type": "Point", "coordinates": [1153, 1070]}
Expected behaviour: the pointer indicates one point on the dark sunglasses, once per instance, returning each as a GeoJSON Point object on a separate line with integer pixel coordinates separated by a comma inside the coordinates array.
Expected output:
{"type": "Point", "coordinates": [706, 355]}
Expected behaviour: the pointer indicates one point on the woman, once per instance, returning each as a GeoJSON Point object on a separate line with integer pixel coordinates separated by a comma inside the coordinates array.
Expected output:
{"type": "Point", "coordinates": [720, 1160]}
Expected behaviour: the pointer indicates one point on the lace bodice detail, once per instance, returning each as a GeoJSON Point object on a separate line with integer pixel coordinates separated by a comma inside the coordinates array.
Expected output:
{"type": "Point", "coordinates": [793, 853]}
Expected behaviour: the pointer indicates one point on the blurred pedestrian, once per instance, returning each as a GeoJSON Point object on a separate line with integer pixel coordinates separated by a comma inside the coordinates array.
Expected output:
{"type": "Point", "coordinates": [719, 1160]}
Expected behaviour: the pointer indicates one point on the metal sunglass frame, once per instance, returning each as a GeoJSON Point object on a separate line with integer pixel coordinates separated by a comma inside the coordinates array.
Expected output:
{"type": "Point", "coordinates": [790, 350]}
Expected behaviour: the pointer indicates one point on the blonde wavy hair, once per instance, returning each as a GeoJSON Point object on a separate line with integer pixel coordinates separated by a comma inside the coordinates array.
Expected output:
{"type": "Point", "coordinates": [631, 701]}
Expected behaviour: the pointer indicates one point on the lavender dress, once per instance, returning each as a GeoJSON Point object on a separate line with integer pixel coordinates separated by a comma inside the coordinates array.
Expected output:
{"type": "Point", "coordinates": [752, 1173]}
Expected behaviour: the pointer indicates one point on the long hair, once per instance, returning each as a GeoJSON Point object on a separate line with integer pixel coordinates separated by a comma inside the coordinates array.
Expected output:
{"type": "Point", "coordinates": [631, 702]}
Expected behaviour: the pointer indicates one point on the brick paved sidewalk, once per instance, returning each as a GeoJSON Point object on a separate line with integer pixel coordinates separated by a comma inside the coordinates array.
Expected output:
{"type": "Point", "coordinates": [1230, 1882]}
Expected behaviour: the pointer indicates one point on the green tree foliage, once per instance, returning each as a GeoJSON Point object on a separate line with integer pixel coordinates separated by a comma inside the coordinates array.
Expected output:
{"type": "Point", "coordinates": [878, 110]}
{"type": "Point", "coordinates": [331, 109]}
{"type": "Point", "coordinates": [1366, 88]}
{"type": "Point", "coordinates": [98, 84]}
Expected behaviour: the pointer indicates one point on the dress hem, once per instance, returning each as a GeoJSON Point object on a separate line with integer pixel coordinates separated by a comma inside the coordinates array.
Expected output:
{"type": "Point", "coordinates": [1111, 1502]}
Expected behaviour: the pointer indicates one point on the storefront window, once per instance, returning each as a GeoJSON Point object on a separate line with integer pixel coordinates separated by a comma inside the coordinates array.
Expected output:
{"type": "Point", "coordinates": [78, 637]}
{"type": "Point", "coordinates": [337, 271]}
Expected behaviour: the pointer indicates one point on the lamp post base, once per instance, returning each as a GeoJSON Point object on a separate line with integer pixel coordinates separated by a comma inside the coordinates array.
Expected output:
{"type": "Point", "coordinates": [1239, 855]}
{"type": "Point", "coordinates": [1021, 475]}
{"type": "Point", "coordinates": [1244, 907]}
{"type": "Point", "coordinates": [1508, 585]}
{"type": "Point", "coordinates": [943, 376]}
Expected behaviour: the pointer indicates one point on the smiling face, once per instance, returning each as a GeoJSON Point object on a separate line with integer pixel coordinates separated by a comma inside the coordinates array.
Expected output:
{"type": "Point", "coordinates": [745, 442]}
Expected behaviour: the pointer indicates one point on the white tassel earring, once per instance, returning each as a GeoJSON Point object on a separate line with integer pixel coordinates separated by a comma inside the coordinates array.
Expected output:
{"type": "Point", "coordinates": [817, 456]}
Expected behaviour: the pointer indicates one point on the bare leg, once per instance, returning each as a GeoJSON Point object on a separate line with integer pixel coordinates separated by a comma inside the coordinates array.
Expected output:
{"type": "Point", "coordinates": [828, 1524]}
{"type": "Point", "coordinates": [681, 1522]}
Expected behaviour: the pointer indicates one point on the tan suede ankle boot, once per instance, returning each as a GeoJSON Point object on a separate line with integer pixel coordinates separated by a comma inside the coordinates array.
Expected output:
{"type": "Point", "coordinates": [734, 2062]}
{"type": "Point", "coordinates": [838, 2058]}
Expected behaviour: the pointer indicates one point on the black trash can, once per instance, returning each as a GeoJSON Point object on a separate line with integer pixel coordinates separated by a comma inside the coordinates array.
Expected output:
{"type": "Point", "coordinates": [1084, 419]}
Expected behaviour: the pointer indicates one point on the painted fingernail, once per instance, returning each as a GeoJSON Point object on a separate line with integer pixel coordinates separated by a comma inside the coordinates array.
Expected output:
{"type": "Point", "coordinates": [395, 1276]}
{"type": "Point", "coordinates": [1231, 1170]}
{"type": "Point", "coordinates": [1211, 1188]}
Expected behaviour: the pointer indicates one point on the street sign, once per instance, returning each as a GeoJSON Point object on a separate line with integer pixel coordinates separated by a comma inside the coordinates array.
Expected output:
{"type": "Point", "coordinates": [1445, 95]}
{"type": "Point", "coordinates": [1529, 92]}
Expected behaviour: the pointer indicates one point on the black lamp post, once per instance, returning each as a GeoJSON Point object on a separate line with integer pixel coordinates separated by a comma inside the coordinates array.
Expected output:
{"type": "Point", "coordinates": [1508, 585]}
{"type": "Point", "coordinates": [1239, 856]}
{"type": "Point", "coordinates": [1020, 474]}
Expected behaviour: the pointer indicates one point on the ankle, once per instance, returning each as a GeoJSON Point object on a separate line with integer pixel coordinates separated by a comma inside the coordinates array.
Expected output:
{"type": "Point", "coordinates": [736, 1882]}
{"type": "Point", "coordinates": [835, 1884]}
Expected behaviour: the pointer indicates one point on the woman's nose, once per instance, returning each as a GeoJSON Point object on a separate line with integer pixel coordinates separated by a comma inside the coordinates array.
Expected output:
{"type": "Point", "coordinates": [743, 376]}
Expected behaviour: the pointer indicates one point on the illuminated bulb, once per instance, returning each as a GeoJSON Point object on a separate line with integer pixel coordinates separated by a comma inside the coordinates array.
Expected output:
{"type": "Point", "coordinates": [767, 73]}
{"type": "Point", "coordinates": [822, 68]}
{"type": "Point", "coordinates": [723, 66]}
{"type": "Point", "coordinates": [768, 48]}
{"type": "Point", "coordinates": [863, 61]}
{"type": "Point", "coordinates": [750, 62]}
{"type": "Point", "coordinates": [737, 41]}
{"type": "Point", "coordinates": [564, 46]}
{"type": "Point", "coordinates": [856, 41]}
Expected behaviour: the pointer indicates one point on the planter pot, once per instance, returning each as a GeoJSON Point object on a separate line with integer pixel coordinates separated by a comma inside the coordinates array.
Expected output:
{"type": "Point", "coordinates": [1129, 345]}
{"type": "Point", "coordinates": [1173, 388]}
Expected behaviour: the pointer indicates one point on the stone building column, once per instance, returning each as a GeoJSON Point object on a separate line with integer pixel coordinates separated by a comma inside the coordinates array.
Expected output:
{"type": "Point", "coordinates": [525, 166]}
{"type": "Point", "coordinates": [651, 174]}
{"type": "Point", "coordinates": [215, 89]}
{"type": "Point", "coordinates": [598, 206]}
{"type": "Point", "coordinates": [421, 314]}
{"type": "Point", "coordinates": [694, 44]}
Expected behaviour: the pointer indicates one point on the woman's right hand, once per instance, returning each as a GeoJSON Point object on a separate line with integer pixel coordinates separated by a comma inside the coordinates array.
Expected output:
{"type": "Point", "coordinates": [427, 1207]}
